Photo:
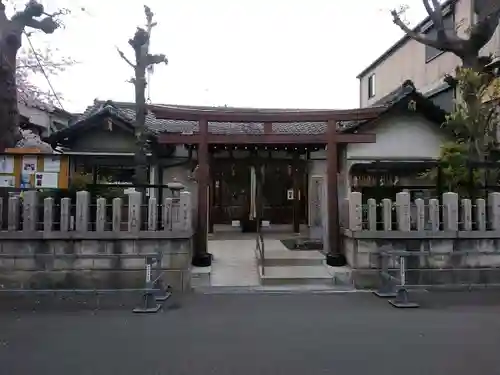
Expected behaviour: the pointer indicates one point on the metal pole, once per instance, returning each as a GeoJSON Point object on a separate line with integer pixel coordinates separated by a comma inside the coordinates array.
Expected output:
{"type": "Point", "coordinates": [402, 299]}
{"type": "Point", "coordinates": [149, 301]}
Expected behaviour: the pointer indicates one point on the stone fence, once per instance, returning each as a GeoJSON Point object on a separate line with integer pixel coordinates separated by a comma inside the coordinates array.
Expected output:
{"type": "Point", "coordinates": [455, 241]}
{"type": "Point", "coordinates": [79, 245]}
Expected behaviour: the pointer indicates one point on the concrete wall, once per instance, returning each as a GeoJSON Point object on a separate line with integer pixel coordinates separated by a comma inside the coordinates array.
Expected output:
{"type": "Point", "coordinates": [400, 137]}
{"type": "Point", "coordinates": [51, 246]}
{"type": "Point", "coordinates": [456, 243]}
{"type": "Point", "coordinates": [408, 62]}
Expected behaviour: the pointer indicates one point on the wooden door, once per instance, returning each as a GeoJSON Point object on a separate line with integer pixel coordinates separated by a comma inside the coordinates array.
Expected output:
{"type": "Point", "coordinates": [231, 191]}
{"type": "Point", "coordinates": [277, 182]}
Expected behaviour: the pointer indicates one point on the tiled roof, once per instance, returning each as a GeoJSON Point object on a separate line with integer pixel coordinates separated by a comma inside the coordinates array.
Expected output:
{"type": "Point", "coordinates": [126, 112]}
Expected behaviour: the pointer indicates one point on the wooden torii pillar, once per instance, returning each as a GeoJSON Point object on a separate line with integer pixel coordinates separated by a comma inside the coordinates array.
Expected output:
{"type": "Point", "coordinates": [203, 138]}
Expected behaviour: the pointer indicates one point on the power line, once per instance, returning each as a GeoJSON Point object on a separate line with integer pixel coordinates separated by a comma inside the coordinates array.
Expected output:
{"type": "Point", "coordinates": [40, 66]}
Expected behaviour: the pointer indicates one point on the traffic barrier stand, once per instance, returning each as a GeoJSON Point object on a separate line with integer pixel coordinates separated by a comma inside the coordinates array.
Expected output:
{"type": "Point", "coordinates": [402, 299]}
{"type": "Point", "coordinates": [149, 302]}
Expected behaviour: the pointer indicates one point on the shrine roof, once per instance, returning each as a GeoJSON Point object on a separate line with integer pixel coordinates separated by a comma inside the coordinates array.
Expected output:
{"type": "Point", "coordinates": [406, 99]}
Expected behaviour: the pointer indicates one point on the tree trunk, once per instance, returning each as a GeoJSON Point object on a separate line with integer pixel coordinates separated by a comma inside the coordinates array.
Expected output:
{"type": "Point", "coordinates": [140, 157]}
{"type": "Point", "coordinates": [9, 113]}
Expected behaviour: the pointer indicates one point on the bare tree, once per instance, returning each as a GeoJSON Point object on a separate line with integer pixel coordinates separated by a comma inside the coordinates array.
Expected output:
{"type": "Point", "coordinates": [11, 31]}
{"type": "Point", "coordinates": [143, 61]}
{"type": "Point", "coordinates": [447, 40]}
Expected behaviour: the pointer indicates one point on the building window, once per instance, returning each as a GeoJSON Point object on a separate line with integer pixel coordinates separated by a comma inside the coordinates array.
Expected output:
{"type": "Point", "coordinates": [371, 86]}
{"type": "Point", "coordinates": [430, 52]}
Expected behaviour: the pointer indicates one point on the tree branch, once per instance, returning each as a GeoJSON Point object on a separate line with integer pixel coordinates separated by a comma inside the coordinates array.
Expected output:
{"type": "Point", "coordinates": [157, 59]}
{"type": "Point", "coordinates": [122, 55]}
{"type": "Point", "coordinates": [419, 37]}
{"type": "Point", "coordinates": [27, 18]}
{"type": "Point", "coordinates": [436, 15]}
{"type": "Point", "coordinates": [482, 32]}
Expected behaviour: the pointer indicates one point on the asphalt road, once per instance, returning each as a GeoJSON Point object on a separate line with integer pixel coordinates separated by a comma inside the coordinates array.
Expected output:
{"type": "Point", "coordinates": [452, 333]}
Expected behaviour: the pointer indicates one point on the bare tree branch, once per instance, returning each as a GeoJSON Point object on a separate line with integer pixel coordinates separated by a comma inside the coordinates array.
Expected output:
{"type": "Point", "coordinates": [27, 18]}
{"type": "Point", "coordinates": [157, 59]}
{"type": "Point", "coordinates": [419, 37]}
{"type": "Point", "coordinates": [448, 40]}
{"type": "Point", "coordinates": [482, 32]}
{"type": "Point", "coordinates": [122, 55]}
{"type": "Point", "coordinates": [436, 16]}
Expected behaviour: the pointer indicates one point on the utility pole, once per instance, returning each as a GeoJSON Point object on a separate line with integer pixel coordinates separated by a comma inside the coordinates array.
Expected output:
{"type": "Point", "coordinates": [143, 61]}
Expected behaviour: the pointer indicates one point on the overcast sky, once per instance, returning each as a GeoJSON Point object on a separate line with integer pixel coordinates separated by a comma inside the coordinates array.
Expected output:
{"type": "Point", "coordinates": [255, 53]}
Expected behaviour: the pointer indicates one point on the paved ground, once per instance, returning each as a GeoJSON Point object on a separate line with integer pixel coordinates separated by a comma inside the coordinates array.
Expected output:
{"type": "Point", "coordinates": [453, 333]}
{"type": "Point", "coordinates": [231, 267]}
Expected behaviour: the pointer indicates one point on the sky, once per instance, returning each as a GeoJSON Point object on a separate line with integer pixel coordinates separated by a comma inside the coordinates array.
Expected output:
{"type": "Point", "coordinates": [239, 53]}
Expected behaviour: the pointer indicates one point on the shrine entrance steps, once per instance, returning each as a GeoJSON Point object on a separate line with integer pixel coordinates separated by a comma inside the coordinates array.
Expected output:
{"type": "Point", "coordinates": [300, 267]}
{"type": "Point", "coordinates": [237, 268]}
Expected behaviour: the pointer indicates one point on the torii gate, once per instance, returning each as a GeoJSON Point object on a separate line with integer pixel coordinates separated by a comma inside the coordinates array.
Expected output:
{"type": "Point", "coordinates": [204, 115]}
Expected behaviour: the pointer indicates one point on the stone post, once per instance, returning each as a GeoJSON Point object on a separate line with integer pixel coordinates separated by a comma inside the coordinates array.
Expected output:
{"type": "Point", "coordinates": [65, 214]}
{"type": "Point", "coordinates": [387, 214]}
{"type": "Point", "coordinates": [167, 214]}
{"type": "Point", "coordinates": [372, 214]}
{"type": "Point", "coordinates": [134, 211]}
{"type": "Point", "coordinates": [450, 211]}
{"type": "Point", "coordinates": [13, 213]}
{"type": "Point", "coordinates": [82, 211]}
{"type": "Point", "coordinates": [481, 214]}
{"type": "Point", "coordinates": [30, 210]}
{"type": "Point", "coordinates": [403, 211]}
{"type": "Point", "coordinates": [117, 214]}
{"type": "Point", "coordinates": [186, 210]}
{"type": "Point", "coordinates": [100, 215]}
{"type": "Point", "coordinates": [420, 214]}
{"type": "Point", "coordinates": [355, 211]}
{"type": "Point", "coordinates": [48, 214]}
{"type": "Point", "coordinates": [466, 214]}
{"type": "Point", "coordinates": [152, 214]}
{"type": "Point", "coordinates": [434, 214]}
{"type": "Point", "coordinates": [494, 210]}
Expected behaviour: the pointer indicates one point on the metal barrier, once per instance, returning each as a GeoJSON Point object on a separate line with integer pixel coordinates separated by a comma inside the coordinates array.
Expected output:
{"type": "Point", "coordinates": [153, 291]}
{"type": "Point", "coordinates": [261, 251]}
{"type": "Point", "coordinates": [397, 287]}
{"type": "Point", "coordinates": [392, 286]}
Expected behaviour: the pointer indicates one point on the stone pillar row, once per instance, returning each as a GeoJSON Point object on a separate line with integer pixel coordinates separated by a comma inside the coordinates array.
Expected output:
{"type": "Point", "coordinates": [176, 215]}
{"type": "Point", "coordinates": [424, 218]}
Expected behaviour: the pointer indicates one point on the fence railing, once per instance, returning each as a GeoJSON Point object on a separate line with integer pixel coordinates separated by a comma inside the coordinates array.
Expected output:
{"type": "Point", "coordinates": [433, 215]}
{"type": "Point", "coordinates": [29, 215]}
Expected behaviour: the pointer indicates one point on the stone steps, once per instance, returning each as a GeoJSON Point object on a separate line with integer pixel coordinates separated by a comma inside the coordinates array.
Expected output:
{"type": "Point", "coordinates": [284, 267]}
{"type": "Point", "coordinates": [293, 258]}
{"type": "Point", "coordinates": [276, 289]}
